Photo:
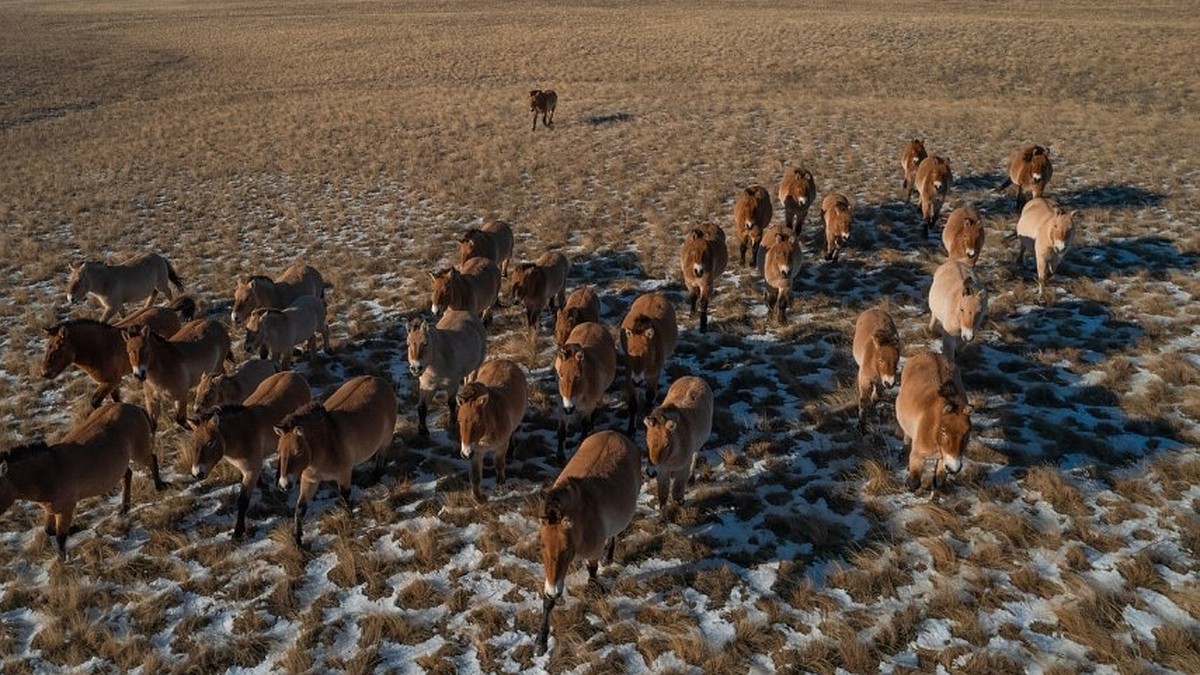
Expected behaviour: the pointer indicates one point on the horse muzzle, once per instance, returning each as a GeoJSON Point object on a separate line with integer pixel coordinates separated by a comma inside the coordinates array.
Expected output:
{"type": "Point", "coordinates": [952, 464]}
{"type": "Point", "coordinates": [968, 335]}
{"type": "Point", "coordinates": [1060, 246]}
{"type": "Point", "coordinates": [468, 449]}
{"type": "Point", "coordinates": [568, 405]}
{"type": "Point", "coordinates": [199, 471]}
{"type": "Point", "coordinates": [140, 373]}
{"type": "Point", "coordinates": [552, 591]}
{"type": "Point", "coordinates": [888, 382]}
{"type": "Point", "coordinates": [415, 369]}
{"type": "Point", "coordinates": [284, 483]}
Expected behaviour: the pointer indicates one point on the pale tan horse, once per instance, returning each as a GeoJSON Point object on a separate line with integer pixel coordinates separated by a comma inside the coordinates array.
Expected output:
{"type": "Point", "coordinates": [244, 434]}
{"type": "Point", "coordinates": [490, 408]}
{"type": "Point", "coordinates": [260, 291]}
{"type": "Point", "coordinates": [173, 366]}
{"type": "Point", "coordinates": [592, 501]}
{"type": "Point", "coordinates": [279, 331]}
{"type": "Point", "coordinates": [440, 357]}
{"type": "Point", "coordinates": [89, 461]}
{"type": "Point", "coordinates": [113, 285]}
{"type": "Point", "coordinates": [1049, 230]}
{"type": "Point", "coordinates": [325, 442]}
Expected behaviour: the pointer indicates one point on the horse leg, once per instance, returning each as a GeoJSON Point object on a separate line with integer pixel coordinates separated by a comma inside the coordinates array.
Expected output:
{"type": "Point", "coordinates": [476, 474]}
{"type": "Point", "coordinates": [49, 527]}
{"type": "Point", "coordinates": [181, 412]}
{"type": "Point", "coordinates": [535, 120]}
{"type": "Point", "coordinates": [62, 527]}
{"type": "Point", "coordinates": [562, 439]}
{"type": "Point", "coordinates": [307, 489]}
{"type": "Point", "coordinates": [693, 298]}
{"type": "Point", "coordinates": [452, 403]}
{"type": "Point", "coordinates": [501, 460]}
{"type": "Point", "coordinates": [703, 312]}
{"type": "Point", "coordinates": [243, 502]}
{"type": "Point", "coordinates": [154, 295]}
{"type": "Point", "coordinates": [159, 484]}
{"type": "Point", "coordinates": [742, 252]}
{"type": "Point", "coordinates": [422, 413]}
{"type": "Point", "coordinates": [663, 480]}
{"type": "Point", "coordinates": [325, 338]}
{"type": "Point", "coordinates": [312, 348]}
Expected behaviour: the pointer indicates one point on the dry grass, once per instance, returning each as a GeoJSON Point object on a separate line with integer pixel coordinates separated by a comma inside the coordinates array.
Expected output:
{"type": "Point", "coordinates": [236, 138]}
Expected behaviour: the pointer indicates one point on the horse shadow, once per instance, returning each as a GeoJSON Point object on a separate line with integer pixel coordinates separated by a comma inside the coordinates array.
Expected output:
{"type": "Point", "coordinates": [1154, 254]}
{"type": "Point", "coordinates": [989, 180]}
{"type": "Point", "coordinates": [866, 282]}
{"type": "Point", "coordinates": [1109, 197]}
{"type": "Point", "coordinates": [600, 120]}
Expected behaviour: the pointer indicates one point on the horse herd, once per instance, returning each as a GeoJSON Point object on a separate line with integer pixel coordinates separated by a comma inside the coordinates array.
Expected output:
{"type": "Point", "coordinates": [262, 407]}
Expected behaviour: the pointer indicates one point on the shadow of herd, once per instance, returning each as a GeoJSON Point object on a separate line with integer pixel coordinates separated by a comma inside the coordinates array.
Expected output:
{"type": "Point", "coordinates": [262, 407]}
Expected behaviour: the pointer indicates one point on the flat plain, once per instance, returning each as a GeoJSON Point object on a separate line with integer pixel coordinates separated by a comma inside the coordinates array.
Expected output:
{"type": "Point", "coordinates": [363, 137]}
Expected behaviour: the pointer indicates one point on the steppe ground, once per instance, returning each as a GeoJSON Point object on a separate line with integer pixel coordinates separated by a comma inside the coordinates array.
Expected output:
{"type": "Point", "coordinates": [236, 137]}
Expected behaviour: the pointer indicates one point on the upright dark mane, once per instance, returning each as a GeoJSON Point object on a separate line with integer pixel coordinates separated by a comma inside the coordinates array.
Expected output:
{"type": "Point", "coordinates": [307, 413]}
{"type": "Point", "coordinates": [259, 277]}
{"type": "Point", "coordinates": [223, 409]}
{"type": "Point", "coordinates": [22, 452]}
{"type": "Point", "coordinates": [80, 322]}
{"type": "Point", "coordinates": [471, 391]}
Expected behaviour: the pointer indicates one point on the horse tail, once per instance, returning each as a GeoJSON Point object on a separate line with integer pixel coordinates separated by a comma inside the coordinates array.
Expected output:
{"type": "Point", "coordinates": [173, 276]}
{"type": "Point", "coordinates": [149, 419]}
{"type": "Point", "coordinates": [185, 306]}
{"type": "Point", "coordinates": [1003, 186]}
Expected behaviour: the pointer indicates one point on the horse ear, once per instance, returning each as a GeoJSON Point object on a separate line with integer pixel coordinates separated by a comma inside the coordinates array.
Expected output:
{"type": "Point", "coordinates": [579, 355]}
{"type": "Point", "coordinates": [432, 275]}
{"type": "Point", "coordinates": [649, 421]}
{"type": "Point", "coordinates": [671, 425]}
{"type": "Point", "coordinates": [948, 407]}
{"type": "Point", "coordinates": [649, 333]}
{"type": "Point", "coordinates": [279, 431]}
{"type": "Point", "coordinates": [299, 432]}
{"type": "Point", "coordinates": [3, 469]}
{"type": "Point", "coordinates": [968, 410]}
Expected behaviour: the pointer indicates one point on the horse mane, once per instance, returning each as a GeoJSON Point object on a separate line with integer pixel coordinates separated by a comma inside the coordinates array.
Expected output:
{"type": "Point", "coordinates": [223, 409]}
{"type": "Point", "coordinates": [305, 413]}
{"type": "Point", "coordinates": [81, 322]}
{"type": "Point", "coordinates": [557, 500]}
{"type": "Point", "coordinates": [642, 324]}
{"type": "Point", "coordinates": [21, 452]}
{"type": "Point", "coordinates": [472, 391]}
{"type": "Point", "coordinates": [259, 277]}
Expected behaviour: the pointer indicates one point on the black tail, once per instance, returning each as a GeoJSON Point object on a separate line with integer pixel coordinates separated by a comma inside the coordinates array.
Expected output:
{"type": "Point", "coordinates": [185, 306]}
{"type": "Point", "coordinates": [173, 277]}
{"type": "Point", "coordinates": [1004, 186]}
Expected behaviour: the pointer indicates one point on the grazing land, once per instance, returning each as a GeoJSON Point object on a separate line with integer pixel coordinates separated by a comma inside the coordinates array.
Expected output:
{"type": "Point", "coordinates": [363, 137]}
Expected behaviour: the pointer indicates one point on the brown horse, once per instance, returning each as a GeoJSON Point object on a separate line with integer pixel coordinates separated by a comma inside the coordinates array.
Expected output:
{"type": "Point", "coordinates": [933, 182]}
{"type": "Point", "coordinates": [797, 192]}
{"type": "Point", "coordinates": [877, 353]}
{"type": "Point", "coordinates": [473, 286]}
{"type": "Point", "coordinates": [218, 390]}
{"type": "Point", "coordinates": [675, 432]}
{"type": "Point", "coordinates": [490, 408]}
{"type": "Point", "coordinates": [586, 366]}
{"type": "Point", "coordinates": [325, 442]}
{"type": "Point", "coordinates": [648, 336]}
{"type": "Point", "coordinates": [751, 216]}
{"type": "Point", "coordinates": [838, 215]}
{"type": "Point", "coordinates": [279, 331]}
{"type": "Point", "coordinates": [259, 291]}
{"type": "Point", "coordinates": [441, 356]}
{"type": "Point", "coordinates": [543, 102]}
{"type": "Point", "coordinates": [114, 285]}
{"type": "Point", "coordinates": [582, 305]}
{"type": "Point", "coordinates": [910, 159]}
{"type": "Point", "coordinates": [781, 264]}
{"type": "Point", "coordinates": [703, 258]}
{"type": "Point", "coordinates": [493, 240]}
{"type": "Point", "coordinates": [933, 412]}
{"type": "Point", "coordinates": [1030, 169]}
{"type": "Point", "coordinates": [174, 366]}
{"type": "Point", "coordinates": [541, 283]}
{"type": "Point", "coordinates": [89, 461]}
{"type": "Point", "coordinates": [244, 434]}
{"type": "Point", "coordinates": [592, 501]}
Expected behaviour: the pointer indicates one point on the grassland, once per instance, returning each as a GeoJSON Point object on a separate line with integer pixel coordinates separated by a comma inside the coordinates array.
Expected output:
{"type": "Point", "coordinates": [361, 136]}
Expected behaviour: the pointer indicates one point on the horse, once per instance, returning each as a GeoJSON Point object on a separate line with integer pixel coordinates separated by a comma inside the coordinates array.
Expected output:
{"type": "Point", "coordinates": [278, 331]}
{"type": "Point", "coordinates": [911, 158]}
{"type": "Point", "coordinates": [143, 277]}
{"type": "Point", "coordinates": [702, 258]}
{"type": "Point", "coordinates": [585, 366]}
{"type": "Point", "coordinates": [89, 461]}
{"type": "Point", "coordinates": [582, 305]}
{"type": "Point", "coordinates": [1049, 231]}
{"type": "Point", "coordinates": [1030, 169]}
{"type": "Point", "coordinates": [244, 434]}
{"type": "Point", "coordinates": [877, 353]}
{"type": "Point", "coordinates": [541, 283]}
{"type": "Point", "coordinates": [441, 356]}
{"type": "Point", "coordinates": [933, 182]}
{"type": "Point", "coordinates": [592, 501]}
{"type": "Point", "coordinates": [326, 441]}
{"type": "Point", "coordinates": [957, 305]}
{"type": "Point", "coordinates": [490, 408]}
{"type": "Point", "coordinates": [259, 291]}
{"type": "Point", "coordinates": [543, 102]}
{"type": "Point", "coordinates": [649, 333]}
{"type": "Point", "coordinates": [217, 390]}
{"type": "Point", "coordinates": [797, 192]}
{"type": "Point", "coordinates": [473, 286]}
{"type": "Point", "coordinates": [963, 235]}
{"type": "Point", "coordinates": [838, 215]}
{"type": "Point", "coordinates": [174, 365]}
{"type": "Point", "coordinates": [780, 267]}
{"type": "Point", "coordinates": [493, 240]}
{"type": "Point", "coordinates": [675, 432]}
{"type": "Point", "coordinates": [751, 216]}
{"type": "Point", "coordinates": [933, 412]}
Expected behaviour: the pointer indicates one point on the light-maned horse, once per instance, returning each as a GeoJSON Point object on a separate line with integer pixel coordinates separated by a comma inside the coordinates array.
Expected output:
{"type": "Point", "coordinates": [141, 278]}
{"type": "Point", "coordinates": [258, 291]}
{"type": "Point", "coordinates": [440, 357]}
